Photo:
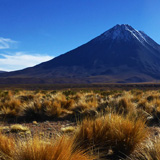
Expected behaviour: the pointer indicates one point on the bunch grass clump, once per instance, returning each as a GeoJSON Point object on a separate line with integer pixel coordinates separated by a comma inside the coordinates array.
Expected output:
{"type": "Point", "coordinates": [18, 128]}
{"type": "Point", "coordinates": [38, 149]}
{"type": "Point", "coordinates": [148, 151]}
{"type": "Point", "coordinates": [111, 132]}
{"type": "Point", "coordinates": [7, 146]}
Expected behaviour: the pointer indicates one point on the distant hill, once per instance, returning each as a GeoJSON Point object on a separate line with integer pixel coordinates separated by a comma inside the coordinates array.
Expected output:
{"type": "Point", "coordinates": [120, 55]}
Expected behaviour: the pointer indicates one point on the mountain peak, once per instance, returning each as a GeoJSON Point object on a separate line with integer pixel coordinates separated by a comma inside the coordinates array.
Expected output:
{"type": "Point", "coordinates": [122, 26]}
{"type": "Point", "coordinates": [124, 32]}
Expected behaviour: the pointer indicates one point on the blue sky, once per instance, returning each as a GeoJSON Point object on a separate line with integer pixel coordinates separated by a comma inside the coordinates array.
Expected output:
{"type": "Point", "coordinates": [33, 31]}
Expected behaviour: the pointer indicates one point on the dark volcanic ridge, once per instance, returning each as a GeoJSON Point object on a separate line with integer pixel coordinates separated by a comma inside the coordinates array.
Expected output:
{"type": "Point", "coordinates": [121, 54]}
{"type": "Point", "coordinates": [2, 71]}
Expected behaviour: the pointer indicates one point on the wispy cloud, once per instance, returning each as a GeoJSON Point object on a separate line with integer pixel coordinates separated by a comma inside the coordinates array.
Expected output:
{"type": "Point", "coordinates": [7, 43]}
{"type": "Point", "coordinates": [17, 60]}
{"type": "Point", "coordinates": [20, 60]}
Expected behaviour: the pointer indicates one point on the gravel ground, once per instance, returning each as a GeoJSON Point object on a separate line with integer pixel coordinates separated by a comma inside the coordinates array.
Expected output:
{"type": "Point", "coordinates": [46, 128]}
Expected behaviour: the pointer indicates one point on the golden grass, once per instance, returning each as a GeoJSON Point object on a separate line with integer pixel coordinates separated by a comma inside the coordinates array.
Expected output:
{"type": "Point", "coordinates": [125, 106]}
{"type": "Point", "coordinates": [53, 109]}
{"type": "Point", "coordinates": [35, 122]}
{"type": "Point", "coordinates": [10, 108]}
{"type": "Point", "coordinates": [37, 149]}
{"type": "Point", "coordinates": [2, 128]}
{"type": "Point", "coordinates": [18, 128]}
{"type": "Point", "coordinates": [37, 105]}
{"type": "Point", "coordinates": [68, 129]}
{"type": "Point", "coordinates": [115, 132]}
{"type": "Point", "coordinates": [113, 126]}
{"type": "Point", "coordinates": [32, 105]}
{"type": "Point", "coordinates": [149, 151]}
{"type": "Point", "coordinates": [7, 146]}
{"type": "Point", "coordinates": [40, 149]}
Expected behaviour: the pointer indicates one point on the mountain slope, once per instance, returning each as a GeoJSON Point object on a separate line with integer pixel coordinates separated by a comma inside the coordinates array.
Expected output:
{"type": "Point", "coordinates": [121, 54]}
{"type": "Point", "coordinates": [2, 71]}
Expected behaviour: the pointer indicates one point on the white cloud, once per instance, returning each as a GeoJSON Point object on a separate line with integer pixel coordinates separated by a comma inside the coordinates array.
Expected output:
{"type": "Point", "coordinates": [21, 60]}
{"type": "Point", "coordinates": [6, 43]}
{"type": "Point", "coordinates": [17, 60]}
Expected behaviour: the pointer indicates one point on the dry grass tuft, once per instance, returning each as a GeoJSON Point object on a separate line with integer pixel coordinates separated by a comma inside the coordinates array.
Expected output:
{"type": "Point", "coordinates": [114, 132]}
{"type": "Point", "coordinates": [68, 129]}
{"type": "Point", "coordinates": [148, 151]}
{"type": "Point", "coordinates": [53, 109]}
{"type": "Point", "coordinates": [7, 146]}
{"type": "Point", "coordinates": [10, 108]}
{"type": "Point", "coordinates": [125, 106]}
{"type": "Point", "coordinates": [18, 128]}
{"type": "Point", "coordinates": [37, 149]}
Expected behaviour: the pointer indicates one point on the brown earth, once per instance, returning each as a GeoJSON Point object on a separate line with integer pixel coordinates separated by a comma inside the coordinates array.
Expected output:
{"type": "Point", "coordinates": [48, 129]}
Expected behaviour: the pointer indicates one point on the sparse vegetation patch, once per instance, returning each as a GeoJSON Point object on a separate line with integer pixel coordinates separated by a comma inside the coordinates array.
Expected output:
{"type": "Point", "coordinates": [90, 125]}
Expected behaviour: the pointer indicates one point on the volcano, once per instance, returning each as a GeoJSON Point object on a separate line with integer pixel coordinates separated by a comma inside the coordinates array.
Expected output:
{"type": "Point", "coordinates": [2, 71]}
{"type": "Point", "coordinates": [120, 55]}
